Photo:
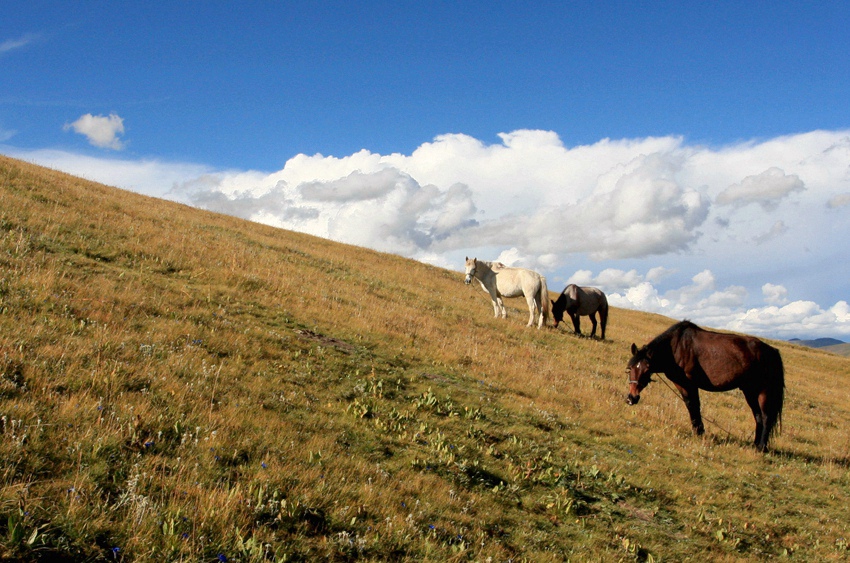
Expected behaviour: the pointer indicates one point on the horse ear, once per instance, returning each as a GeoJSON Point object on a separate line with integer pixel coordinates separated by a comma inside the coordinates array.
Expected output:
{"type": "Point", "coordinates": [634, 349]}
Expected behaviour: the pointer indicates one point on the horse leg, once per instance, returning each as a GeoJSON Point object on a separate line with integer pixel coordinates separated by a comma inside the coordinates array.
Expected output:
{"type": "Point", "coordinates": [495, 307]}
{"type": "Point", "coordinates": [752, 398]}
{"type": "Point", "coordinates": [691, 399]}
{"type": "Point", "coordinates": [532, 308]}
{"type": "Point", "coordinates": [603, 320]}
{"type": "Point", "coordinates": [769, 417]}
{"type": "Point", "coordinates": [576, 322]}
{"type": "Point", "coordinates": [538, 298]}
{"type": "Point", "coordinates": [498, 305]}
{"type": "Point", "coordinates": [593, 325]}
{"type": "Point", "coordinates": [541, 317]}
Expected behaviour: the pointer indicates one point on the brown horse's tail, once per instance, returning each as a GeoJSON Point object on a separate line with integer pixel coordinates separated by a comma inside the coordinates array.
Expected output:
{"type": "Point", "coordinates": [776, 374]}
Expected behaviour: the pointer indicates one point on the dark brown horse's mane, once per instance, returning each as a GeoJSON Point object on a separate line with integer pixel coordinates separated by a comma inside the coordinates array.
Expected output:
{"type": "Point", "coordinates": [657, 343]}
{"type": "Point", "coordinates": [676, 330]}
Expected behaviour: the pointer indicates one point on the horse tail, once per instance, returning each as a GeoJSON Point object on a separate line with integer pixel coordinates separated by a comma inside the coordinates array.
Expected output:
{"type": "Point", "coordinates": [775, 370]}
{"type": "Point", "coordinates": [545, 304]}
{"type": "Point", "coordinates": [603, 314]}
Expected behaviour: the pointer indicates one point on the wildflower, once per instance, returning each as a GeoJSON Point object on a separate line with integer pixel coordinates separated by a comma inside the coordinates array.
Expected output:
{"type": "Point", "coordinates": [222, 558]}
{"type": "Point", "coordinates": [263, 465]}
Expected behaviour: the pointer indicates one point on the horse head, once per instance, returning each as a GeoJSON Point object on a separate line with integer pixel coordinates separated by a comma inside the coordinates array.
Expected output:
{"type": "Point", "coordinates": [640, 372]}
{"type": "Point", "coordinates": [567, 299]}
{"type": "Point", "coordinates": [471, 266]}
{"type": "Point", "coordinates": [558, 308]}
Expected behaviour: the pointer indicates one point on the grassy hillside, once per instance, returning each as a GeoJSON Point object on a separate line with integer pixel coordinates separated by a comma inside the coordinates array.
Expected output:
{"type": "Point", "coordinates": [177, 385]}
{"type": "Point", "coordinates": [840, 349]}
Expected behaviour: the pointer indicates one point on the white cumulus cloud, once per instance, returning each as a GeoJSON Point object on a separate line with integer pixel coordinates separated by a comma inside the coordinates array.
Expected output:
{"type": "Point", "coordinates": [765, 189]}
{"type": "Point", "coordinates": [382, 208]}
{"type": "Point", "coordinates": [101, 131]}
{"type": "Point", "coordinates": [774, 294]}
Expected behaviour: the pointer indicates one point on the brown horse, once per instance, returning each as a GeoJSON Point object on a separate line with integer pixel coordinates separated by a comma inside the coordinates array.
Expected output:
{"type": "Point", "coordinates": [581, 301]}
{"type": "Point", "coordinates": [694, 359]}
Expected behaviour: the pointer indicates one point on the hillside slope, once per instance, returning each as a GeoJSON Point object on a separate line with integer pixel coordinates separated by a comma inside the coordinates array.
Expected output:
{"type": "Point", "coordinates": [181, 385]}
{"type": "Point", "coordinates": [840, 349]}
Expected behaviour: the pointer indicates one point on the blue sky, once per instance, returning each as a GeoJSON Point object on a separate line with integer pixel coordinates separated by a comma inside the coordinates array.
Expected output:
{"type": "Point", "coordinates": [692, 159]}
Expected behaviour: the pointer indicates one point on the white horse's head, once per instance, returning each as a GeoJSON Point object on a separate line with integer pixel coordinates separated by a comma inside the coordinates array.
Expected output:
{"type": "Point", "coordinates": [471, 266]}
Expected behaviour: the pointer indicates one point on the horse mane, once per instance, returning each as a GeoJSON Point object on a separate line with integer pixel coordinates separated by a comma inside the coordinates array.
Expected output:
{"type": "Point", "coordinates": [676, 331]}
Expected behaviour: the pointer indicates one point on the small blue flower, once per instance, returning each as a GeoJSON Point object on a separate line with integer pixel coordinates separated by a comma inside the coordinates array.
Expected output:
{"type": "Point", "coordinates": [263, 465]}
{"type": "Point", "coordinates": [185, 536]}
{"type": "Point", "coordinates": [148, 444]}
{"type": "Point", "coordinates": [222, 558]}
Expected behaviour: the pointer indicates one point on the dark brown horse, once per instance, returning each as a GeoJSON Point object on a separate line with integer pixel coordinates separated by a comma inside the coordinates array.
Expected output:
{"type": "Point", "coordinates": [694, 359]}
{"type": "Point", "coordinates": [581, 301]}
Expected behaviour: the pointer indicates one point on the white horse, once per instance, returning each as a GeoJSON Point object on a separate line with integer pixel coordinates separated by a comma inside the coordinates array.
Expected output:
{"type": "Point", "coordinates": [501, 281]}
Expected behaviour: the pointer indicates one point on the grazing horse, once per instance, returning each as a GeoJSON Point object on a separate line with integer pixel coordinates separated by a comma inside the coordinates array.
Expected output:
{"type": "Point", "coordinates": [581, 301]}
{"type": "Point", "coordinates": [501, 281]}
{"type": "Point", "coordinates": [694, 359]}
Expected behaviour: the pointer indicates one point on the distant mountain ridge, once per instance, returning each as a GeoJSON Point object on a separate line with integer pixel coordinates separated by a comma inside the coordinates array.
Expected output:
{"type": "Point", "coordinates": [832, 345]}
{"type": "Point", "coordinates": [818, 342]}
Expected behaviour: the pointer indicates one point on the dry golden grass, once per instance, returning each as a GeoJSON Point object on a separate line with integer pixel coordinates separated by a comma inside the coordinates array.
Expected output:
{"type": "Point", "coordinates": [180, 385]}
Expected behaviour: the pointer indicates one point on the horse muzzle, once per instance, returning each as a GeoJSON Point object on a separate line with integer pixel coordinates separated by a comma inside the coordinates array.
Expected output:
{"type": "Point", "coordinates": [632, 399]}
{"type": "Point", "coordinates": [467, 280]}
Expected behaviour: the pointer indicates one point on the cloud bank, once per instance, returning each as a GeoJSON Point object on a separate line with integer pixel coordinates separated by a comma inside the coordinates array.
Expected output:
{"type": "Point", "coordinates": [741, 237]}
